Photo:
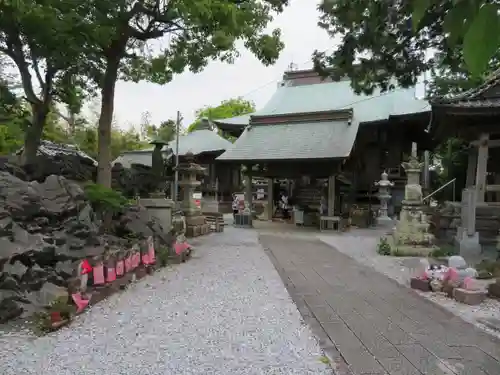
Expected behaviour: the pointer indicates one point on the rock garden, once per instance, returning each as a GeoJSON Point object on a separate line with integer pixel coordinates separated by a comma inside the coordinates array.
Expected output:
{"type": "Point", "coordinates": [65, 245]}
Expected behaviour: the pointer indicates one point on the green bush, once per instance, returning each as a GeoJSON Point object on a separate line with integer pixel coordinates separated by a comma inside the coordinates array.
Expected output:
{"type": "Point", "coordinates": [103, 199]}
{"type": "Point", "coordinates": [163, 256]}
{"type": "Point", "coordinates": [383, 247]}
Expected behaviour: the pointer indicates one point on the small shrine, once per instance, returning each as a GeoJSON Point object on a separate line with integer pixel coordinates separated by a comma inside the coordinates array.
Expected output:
{"type": "Point", "coordinates": [384, 196]}
{"type": "Point", "coordinates": [411, 234]}
{"type": "Point", "coordinates": [189, 172]}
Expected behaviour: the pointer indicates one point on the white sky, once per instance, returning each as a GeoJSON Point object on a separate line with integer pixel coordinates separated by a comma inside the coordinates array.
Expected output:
{"type": "Point", "coordinates": [247, 77]}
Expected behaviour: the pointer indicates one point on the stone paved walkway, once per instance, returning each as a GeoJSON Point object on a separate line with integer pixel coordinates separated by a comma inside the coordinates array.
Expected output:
{"type": "Point", "coordinates": [369, 324]}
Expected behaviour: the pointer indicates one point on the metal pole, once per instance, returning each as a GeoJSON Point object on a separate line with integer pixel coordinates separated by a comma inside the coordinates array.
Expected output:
{"type": "Point", "coordinates": [176, 175]}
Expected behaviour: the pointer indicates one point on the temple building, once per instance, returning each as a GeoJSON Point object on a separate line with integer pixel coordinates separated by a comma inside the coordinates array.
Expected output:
{"type": "Point", "coordinates": [221, 179]}
{"type": "Point", "coordinates": [473, 116]}
{"type": "Point", "coordinates": [328, 141]}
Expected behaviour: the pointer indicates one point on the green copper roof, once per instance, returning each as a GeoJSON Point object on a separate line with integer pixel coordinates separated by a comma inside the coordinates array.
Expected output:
{"type": "Point", "coordinates": [306, 140]}
{"type": "Point", "coordinates": [332, 96]}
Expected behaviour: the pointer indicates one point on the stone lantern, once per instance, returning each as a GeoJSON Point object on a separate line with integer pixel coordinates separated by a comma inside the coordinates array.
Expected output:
{"type": "Point", "coordinates": [384, 195]}
{"type": "Point", "coordinates": [189, 172]}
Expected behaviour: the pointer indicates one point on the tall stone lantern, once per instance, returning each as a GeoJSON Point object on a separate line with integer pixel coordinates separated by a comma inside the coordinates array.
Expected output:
{"type": "Point", "coordinates": [189, 172]}
{"type": "Point", "coordinates": [384, 195]}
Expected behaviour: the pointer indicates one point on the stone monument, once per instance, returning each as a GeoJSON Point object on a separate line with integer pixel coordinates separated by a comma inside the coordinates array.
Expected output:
{"type": "Point", "coordinates": [384, 195]}
{"type": "Point", "coordinates": [189, 172]}
{"type": "Point", "coordinates": [157, 205]}
{"type": "Point", "coordinates": [467, 237]}
{"type": "Point", "coordinates": [158, 167]}
{"type": "Point", "coordinates": [411, 234]}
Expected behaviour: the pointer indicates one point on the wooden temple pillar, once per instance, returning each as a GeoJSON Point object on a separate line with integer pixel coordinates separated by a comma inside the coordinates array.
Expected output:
{"type": "Point", "coordinates": [331, 195]}
{"type": "Point", "coordinates": [248, 186]}
{"type": "Point", "coordinates": [270, 198]}
{"type": "Point", "coordinates": [482, 167]}
{"type": "Point", "coordinates": [471, 167]}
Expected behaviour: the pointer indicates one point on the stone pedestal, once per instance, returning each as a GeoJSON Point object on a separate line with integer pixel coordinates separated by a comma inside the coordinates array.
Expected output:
{"type": "Point", "coordinates": [159, 209]}
{"type": "Point", "coordinates": [195, 221]}
{"type": "Point", "coordinates": [412, 229]}
{"type": "Point", "coordinates": [467, 237]}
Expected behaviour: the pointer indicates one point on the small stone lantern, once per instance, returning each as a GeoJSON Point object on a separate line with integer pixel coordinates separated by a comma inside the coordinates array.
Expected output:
{"type": "Point", "coordinates": [384, 196]}
{"type": "Point", "coordinates": [189, 172]}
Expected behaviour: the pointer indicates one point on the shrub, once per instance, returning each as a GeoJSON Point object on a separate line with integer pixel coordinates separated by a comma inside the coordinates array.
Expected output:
{"type": "Point", "coordinates": [383, 247]}
{"type": "Point", "coordinates": [104, 200]}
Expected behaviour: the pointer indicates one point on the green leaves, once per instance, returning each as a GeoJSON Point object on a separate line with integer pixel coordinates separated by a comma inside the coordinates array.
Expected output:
{"type": "Point", "coordinates": [482, 39]}
{"type": "Point", "coordinates": [473, 25]}
{"type": "Point", "coordinates": [420, 7]}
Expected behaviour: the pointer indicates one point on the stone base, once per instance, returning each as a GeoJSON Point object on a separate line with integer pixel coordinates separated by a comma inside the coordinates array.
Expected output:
{"type": "Point", "coordinates": [159, 209]}
{"type": "Point", "coordinates": [469, 245]}
{"type": "Point", "coordinates": [243, 220]}
{"type": "Point", "coordinates": [197, 230]}
{"type": "Point", "coordinates": [385, 222]}
{"type": "Point", "coordinates": [195, 220]}
{"type": "Point", "coordinates": [419, 284]}
{"type": "Point", "coordinates": [469, 297]}
{"type": "Point", "coordinates": [409, 249]}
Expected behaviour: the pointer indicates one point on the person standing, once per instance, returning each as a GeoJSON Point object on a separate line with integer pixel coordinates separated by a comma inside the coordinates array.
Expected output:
{"type": "Point", "coordinates": [235, 205]}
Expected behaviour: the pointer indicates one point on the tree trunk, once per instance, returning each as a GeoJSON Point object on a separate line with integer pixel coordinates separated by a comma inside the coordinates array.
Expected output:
{"type": "Point", "coordinates": [105, 121]}
{"type": "Point", "coordinates": [34, 133]}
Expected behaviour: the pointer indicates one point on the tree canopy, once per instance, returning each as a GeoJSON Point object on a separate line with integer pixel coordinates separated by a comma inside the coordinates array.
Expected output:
{"type": "Point", "coordinates": [385, 43]}
{"type": "Point", "coordinates": [196, 31]}
{"type": "Point", "coordinates": [226, 109]}
{"type": "Point", "coordinates": [43, 39]}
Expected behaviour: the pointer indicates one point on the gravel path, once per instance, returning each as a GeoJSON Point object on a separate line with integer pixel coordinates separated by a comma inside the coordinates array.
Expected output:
{"type": "Point", "coordinates": [226, 311]}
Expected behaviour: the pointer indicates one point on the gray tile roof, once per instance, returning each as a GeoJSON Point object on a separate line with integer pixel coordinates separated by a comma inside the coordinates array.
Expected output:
{"type": "Point", "coordinates": [128, 158]}
{"type": "Point", "coordinates": [465, 98]}
{"type": "Point", "coordinates": [52, 149]}
{"type": "Point", "coordinates": [306, 140]}
{"type": "Point", "coordinates": [197, 142]}
{"type": "Point", "coordinates": [333, 96]}
{"type": "Point", "coordinates": [200, 141]}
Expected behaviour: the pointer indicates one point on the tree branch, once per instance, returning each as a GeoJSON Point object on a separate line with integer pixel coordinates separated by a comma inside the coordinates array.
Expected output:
{"type": "Point", "coordinates": [36, 68]}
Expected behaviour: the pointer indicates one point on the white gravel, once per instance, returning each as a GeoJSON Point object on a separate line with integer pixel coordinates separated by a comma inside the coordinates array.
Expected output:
{"type": "Point", "coordinates": [362, 246]}
{"type": "Point", "coordinates": [226, 311]}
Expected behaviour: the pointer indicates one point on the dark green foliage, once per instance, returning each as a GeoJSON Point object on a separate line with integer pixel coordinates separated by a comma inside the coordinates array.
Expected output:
{"type": "Point", "coordinates": [105, 200]}
{"type": "Point", "coordinates": [384, 43]}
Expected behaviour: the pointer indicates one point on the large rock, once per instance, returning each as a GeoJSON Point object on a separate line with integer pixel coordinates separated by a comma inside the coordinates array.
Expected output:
{"type": "Point", "coordinates": [46, 227]}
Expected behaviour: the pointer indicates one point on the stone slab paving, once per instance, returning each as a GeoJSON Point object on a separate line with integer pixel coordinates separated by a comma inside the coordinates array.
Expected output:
{"type": "Point", "coordinates": [370, 324]}
{"type": "Point", "coordinates": [226, 311]}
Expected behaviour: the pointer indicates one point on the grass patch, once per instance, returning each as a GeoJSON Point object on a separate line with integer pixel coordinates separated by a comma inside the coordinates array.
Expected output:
{"type": "Point", "coordinates": [324, 360]}
{"type": "Point", "coordinates": [488, 269]}
{"type": "Point", "coordinates": [445, 250]}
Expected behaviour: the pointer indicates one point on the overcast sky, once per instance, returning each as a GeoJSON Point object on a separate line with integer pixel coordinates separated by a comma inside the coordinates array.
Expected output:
{"type": "Point", "coordinates": [247, 77]}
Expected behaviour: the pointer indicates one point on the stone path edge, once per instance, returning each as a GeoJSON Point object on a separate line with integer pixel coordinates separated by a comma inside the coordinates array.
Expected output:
{"type": "Point", "coordinates": [336, 361]}
{"type": "Point", "coordinates": [479, 327]}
